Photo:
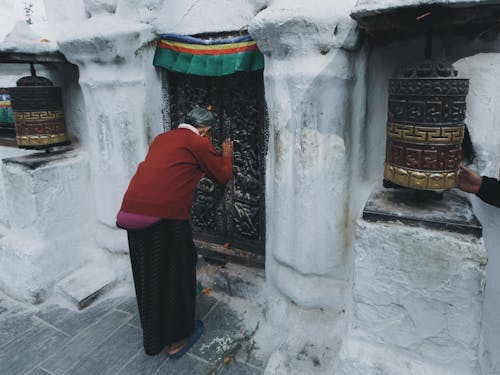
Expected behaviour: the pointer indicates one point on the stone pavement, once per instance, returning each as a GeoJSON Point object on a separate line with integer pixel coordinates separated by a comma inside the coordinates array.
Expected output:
{"type": "Point", "coordinates": [105, 338]}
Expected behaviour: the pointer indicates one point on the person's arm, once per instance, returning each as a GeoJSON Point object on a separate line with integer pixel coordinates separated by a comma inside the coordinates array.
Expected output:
{"type": "Point", "coordinates": [490, 191]}
{"type": "Point", "coordinates": [486, 188]}
{"type": "Point", "coordinates": [218, 168]}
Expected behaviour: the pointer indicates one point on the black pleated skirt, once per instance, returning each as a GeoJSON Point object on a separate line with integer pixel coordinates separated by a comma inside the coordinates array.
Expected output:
{"type": "Point", "coordinates": [163, 258]}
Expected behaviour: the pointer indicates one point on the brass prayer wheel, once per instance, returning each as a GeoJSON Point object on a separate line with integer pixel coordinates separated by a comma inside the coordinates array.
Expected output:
{"type": "Point", "coordinates": [425, 126]}
{"type": "Point", "coordinates": [38, 113]}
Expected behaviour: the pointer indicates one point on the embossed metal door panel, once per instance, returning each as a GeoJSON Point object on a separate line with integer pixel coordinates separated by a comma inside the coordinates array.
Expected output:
{"type": "Point", "coordinates": [234, 214]}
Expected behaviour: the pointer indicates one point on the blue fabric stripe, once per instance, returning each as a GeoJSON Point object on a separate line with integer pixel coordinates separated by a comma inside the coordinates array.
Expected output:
{"type": "Point", "coordinates": [192, 40]}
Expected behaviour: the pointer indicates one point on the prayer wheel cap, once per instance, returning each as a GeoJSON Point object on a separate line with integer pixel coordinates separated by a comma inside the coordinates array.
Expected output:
{"type": "Point", "coordinates": [34, 81]}
{"type": "Point", "coordinates": [427, 69]}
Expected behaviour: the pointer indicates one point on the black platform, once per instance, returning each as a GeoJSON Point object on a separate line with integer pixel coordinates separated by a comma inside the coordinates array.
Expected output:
{"type": "Point", "coordinates": [453, 213]}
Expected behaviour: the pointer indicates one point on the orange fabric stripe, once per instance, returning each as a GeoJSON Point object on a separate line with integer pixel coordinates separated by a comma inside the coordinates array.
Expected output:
{"type": "Point", "coordinates": [225, 51]}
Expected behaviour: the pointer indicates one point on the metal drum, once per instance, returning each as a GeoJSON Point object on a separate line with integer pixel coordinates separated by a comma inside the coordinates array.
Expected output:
{"type": "Point", "coordinates": [38, 113]}
{"type": "Point", "coordinates": [425, 126]}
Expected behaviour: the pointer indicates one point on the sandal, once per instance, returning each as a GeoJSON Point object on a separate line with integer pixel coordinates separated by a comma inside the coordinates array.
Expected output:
{"type": "Point", "coordinates": [195, 335]}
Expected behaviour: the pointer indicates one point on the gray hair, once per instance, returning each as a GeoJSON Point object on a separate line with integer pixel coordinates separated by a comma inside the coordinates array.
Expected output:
{"type": "Point", "coordinates": [200, 117]}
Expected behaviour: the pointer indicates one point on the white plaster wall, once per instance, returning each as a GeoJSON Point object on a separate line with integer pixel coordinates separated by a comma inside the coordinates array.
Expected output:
{"type": "Point", "coordinates": [48, 236]}
{"type": "Point", "coordinates": [189, 17]}
{"type": "Point", "coordinates": [6, 152]}
{"type": "Point", "coordinates": [13, 11]}
{"type": "Point", "coordinates": [417, 294]}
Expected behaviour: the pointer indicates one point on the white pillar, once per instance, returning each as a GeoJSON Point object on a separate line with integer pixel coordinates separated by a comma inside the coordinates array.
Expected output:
{"type": "Point", "coordinates": [308, 84]}
{"type": "Point", "coordinates": [119, 83]}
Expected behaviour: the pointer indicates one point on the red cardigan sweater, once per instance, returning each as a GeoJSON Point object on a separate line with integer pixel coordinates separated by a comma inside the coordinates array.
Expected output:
{"type": "Point", "coordinates": [165, 182]}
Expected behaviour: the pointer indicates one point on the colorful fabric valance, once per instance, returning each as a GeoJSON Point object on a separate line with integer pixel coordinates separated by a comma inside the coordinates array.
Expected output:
{"type": "Point", "coordinates": [207, 57]}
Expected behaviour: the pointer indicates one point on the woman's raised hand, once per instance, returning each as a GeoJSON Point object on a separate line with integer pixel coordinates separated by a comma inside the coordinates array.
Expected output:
{"type": "Point", "coordinates": [227, 148]}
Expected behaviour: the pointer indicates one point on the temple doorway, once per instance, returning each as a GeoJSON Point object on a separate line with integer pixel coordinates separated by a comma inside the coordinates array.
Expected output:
{"type": "Point", "coordinates": [228, 223]}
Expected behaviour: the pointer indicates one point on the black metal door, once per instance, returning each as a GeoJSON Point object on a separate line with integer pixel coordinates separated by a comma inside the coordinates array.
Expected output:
{"type": "Point", "coordinates": [233, 216]}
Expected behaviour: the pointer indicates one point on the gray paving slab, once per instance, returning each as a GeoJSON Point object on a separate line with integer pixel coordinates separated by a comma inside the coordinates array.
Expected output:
{"type": "Point", "coordinates": [39, 371]}
{"type": "Point", "coordinates": [235, 367]}
{"type": "Point", "coordinates": [186, 365]}
{"type": "Point", "coordinates": [248, 355]}
{"type": "Point", "coordinates": [74, 321]}
{"type": "Point", "coordinates": [83, 344]}
{"type": "Point", "coordinates": [129, 305]}
{"type": "Point", "coordinates": [135, 322]}
{"type": "Point", "coordinates": [13, 326]}
{"type": "Point", "coordinates": [113, 354]}
{"type": "Point", "coordinates": [27, 351]}
{"type": "Point", "coordinates": [203, 305]}
{"type": "Point", "coordinates": [106, 338]}
{"type": "Point", "coordinates": [221, 325]}
{"type": "Point", "coordinates": [3, 307]}
{"type": "Point", "coordinates": [142, 363]}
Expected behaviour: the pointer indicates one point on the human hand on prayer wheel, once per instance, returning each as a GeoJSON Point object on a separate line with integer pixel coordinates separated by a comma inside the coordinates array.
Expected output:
{"type": "Point", "coordinates": [468, 180]}
{"type": "Point", "coordinates": [227, 148]}
{"type": "Point", "coordinates": [486, 188]}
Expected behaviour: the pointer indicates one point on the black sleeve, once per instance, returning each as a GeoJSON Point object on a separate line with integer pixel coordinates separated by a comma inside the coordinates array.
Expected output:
{"type": "Point", "coordinates": [490, 191]}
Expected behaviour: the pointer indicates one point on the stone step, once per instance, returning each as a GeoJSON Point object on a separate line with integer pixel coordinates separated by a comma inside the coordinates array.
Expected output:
{"type": "Point", "coordinates": [86, 284]}
{"type": "Point", "coordinates": [232, 279]}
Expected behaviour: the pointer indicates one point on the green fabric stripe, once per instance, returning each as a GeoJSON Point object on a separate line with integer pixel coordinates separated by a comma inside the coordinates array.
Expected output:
{"type": "Point", "coordinates": [208, 65]}
{"type": "Point", "coordinates": [6, 115]}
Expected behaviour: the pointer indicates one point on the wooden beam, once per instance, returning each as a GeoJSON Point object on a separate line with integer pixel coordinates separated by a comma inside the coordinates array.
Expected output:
{"type": "Point", "coordinates": [224, 255]}
{"type": "Point", "coordinates": [38, 58]}
{"type": "Point", "coordinates": [407, 21]}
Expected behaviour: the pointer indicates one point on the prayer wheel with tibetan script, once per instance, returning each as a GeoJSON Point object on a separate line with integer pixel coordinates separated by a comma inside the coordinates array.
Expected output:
{"type": "Point", "coordinates": [38, 113]}
{"type": "Point", "coordinates": [425, 126]}
{"type": "Point", "coordinates": [6, 118]}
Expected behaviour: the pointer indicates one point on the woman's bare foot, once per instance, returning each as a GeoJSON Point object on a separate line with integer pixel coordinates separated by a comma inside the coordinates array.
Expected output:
{"type": "Point", "coordinates": [176, 346]}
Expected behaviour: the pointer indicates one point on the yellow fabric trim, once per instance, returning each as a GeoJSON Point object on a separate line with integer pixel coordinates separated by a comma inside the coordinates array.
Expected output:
{"type": "Point", "coordinates": [210, 47]}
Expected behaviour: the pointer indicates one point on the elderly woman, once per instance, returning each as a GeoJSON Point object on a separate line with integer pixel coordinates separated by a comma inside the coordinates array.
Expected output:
{"type": "Point", "coordinates": [155, 212]}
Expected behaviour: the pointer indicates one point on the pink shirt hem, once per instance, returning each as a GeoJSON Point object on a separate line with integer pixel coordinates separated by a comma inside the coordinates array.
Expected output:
{"type": "Point", "coordinates": [128, 220]}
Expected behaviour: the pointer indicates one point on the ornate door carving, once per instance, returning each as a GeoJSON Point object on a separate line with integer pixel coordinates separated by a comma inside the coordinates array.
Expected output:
{"type": "Point", "coordinates": [235, 214]}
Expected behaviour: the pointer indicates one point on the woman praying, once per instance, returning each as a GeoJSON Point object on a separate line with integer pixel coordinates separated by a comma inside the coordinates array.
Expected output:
{"type": "Point", "coordinates": [155, 212]}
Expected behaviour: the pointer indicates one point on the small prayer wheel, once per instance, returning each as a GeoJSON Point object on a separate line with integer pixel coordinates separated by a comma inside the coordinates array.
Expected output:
{"type": "Point", "coordinates": [425, 126]}
{"type": "Point", "coordinates": [6, 118]}
{"type": "Point", "coordinates": [38, 113]}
